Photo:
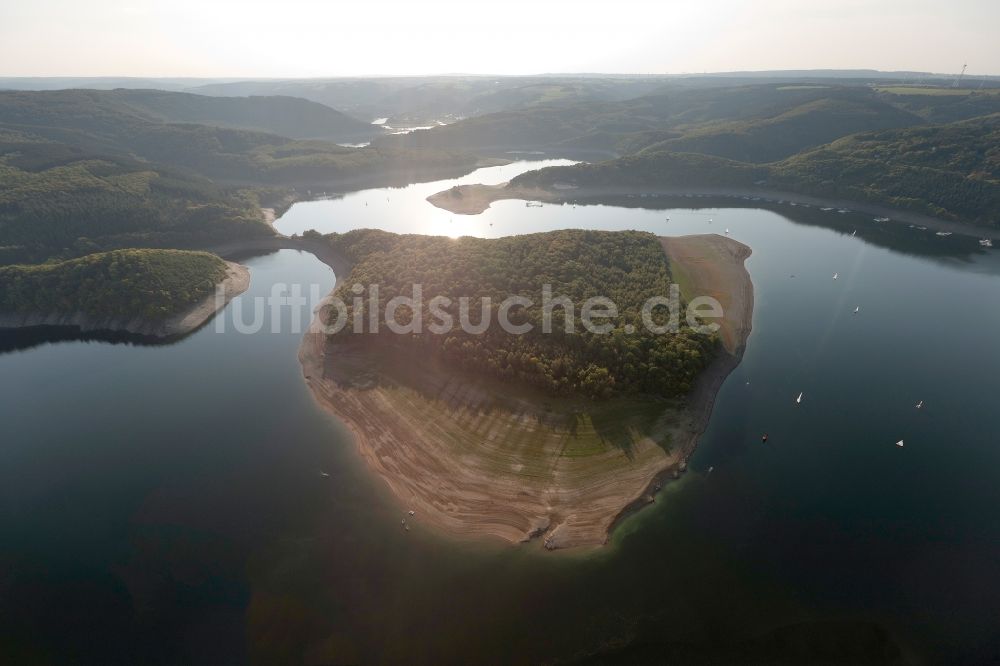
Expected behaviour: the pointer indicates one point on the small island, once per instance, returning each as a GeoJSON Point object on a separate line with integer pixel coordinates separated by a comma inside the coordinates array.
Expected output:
{"type": "Point", "coordinates": [155, 293]}
{"type": "Point", "coordinates": [550, 437]}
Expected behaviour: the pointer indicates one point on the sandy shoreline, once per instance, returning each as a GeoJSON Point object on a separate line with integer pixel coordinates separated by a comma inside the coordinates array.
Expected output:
{"type": "Point", "coordinates": [738, 324]}
{"type": "Point", "coordinates": [237, 281]}
{"type": "Point", "coordinates": [478, 486]}
{"type": "Point", "coordinates": [474, 199]}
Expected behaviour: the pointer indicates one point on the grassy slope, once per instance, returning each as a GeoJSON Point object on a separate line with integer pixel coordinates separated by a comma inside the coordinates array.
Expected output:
{"type": "Point", "coordinates": [155, 284]}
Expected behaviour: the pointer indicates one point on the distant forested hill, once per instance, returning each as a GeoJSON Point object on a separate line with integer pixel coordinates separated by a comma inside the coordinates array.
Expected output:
{"type": "Point", "coordinates": [97, 111]}
{"type": "Point", "coordinates": [751, 123]}
{"type": "Point", "coordinates": [952, 170]}
{"type": "Point", "coordinates": [424, 99]}
{"type": "Point", "coordinates": [105, 123]}
{"type": "Point", "coordinates": [286, 116]}
{"type": "Point", "coordinates": [776, 137]}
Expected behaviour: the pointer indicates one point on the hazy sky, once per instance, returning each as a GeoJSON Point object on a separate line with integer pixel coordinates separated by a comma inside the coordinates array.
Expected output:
{"type": "Point", "coordinates": [301, 38]}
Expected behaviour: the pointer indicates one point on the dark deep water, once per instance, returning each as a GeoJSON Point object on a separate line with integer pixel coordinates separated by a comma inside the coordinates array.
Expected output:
{"type": "Point", "coordinates": [165, 503]}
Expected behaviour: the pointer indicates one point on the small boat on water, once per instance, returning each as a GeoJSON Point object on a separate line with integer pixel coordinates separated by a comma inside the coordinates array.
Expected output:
{"type": "Point", "coordinates": [899, 443]}
{"type": "Point", "coordinates": [854, 233]}
{"type": "Point", "coordinates": [943, 234]}
{"type": "Point", "coordinates": [836, 275]}
{"type": "Point", "coordinates": [324, 475]}
{"type": "Point", "coordinates": [881, 219]}
{"type": "Point", "coordinates": [843, 210]}
{"type": "Point", "coordinates": [986, 242]}
{"type": "Point", "coordinates": [727, 231]}
{"type": "Point", "coordinates": [763, 437]}
{"type": "Point", "coordinates": [920, 404]}
{"type": "Point", "coordinates": [798, 400]}
{"type": "Point", "coordinates": [857, 309]}
{"type": "Point", "coordinates": [826, 210]}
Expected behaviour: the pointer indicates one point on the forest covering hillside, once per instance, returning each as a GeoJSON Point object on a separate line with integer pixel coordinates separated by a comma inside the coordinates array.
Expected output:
{"type": "Point", "coordinates": [103, 112]}
{"type": "Point", "coordinates": [757, 123]}
{"type": "Point", "coordinates": [60, 201]}
{"type": "Point", "coordinates": [628, 267]}
{"type": "Point", "coordinates": [106, 123]}
{"type": "Point", "coordinates": [154, 284]}
{"type": "Point", "coordinates": [286, 116]}
{"type": "Point", "coordinates": [951, 171]}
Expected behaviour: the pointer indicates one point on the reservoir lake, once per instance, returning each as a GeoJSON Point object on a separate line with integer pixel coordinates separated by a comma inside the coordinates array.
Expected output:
{"type": "Point", "coordinates": [166, 503]}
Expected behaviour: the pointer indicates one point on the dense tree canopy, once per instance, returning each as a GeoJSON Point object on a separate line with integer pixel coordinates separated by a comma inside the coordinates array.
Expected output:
{"type": "Point", "coordinates": [627, 267]}
{"type": "Point", "coordinates": [123, 283]}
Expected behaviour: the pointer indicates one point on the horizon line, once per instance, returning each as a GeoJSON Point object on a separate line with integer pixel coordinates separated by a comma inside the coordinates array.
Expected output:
{"type": "Point", "coordinates": [746, 72]}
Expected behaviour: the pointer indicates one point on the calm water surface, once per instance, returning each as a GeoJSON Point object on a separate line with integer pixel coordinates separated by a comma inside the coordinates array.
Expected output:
{"type": "Point", "coordinates": [166, 503]}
